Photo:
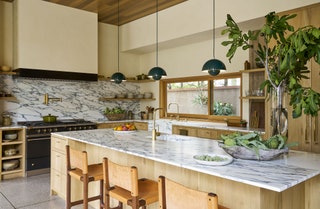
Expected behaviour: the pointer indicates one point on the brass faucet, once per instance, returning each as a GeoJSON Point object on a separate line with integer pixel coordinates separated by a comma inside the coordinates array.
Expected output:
{"type": "Point", "coordinates": [178, 117]}
{"type": "Point", "coordinates": [154, 131]}
{"type": "Point", "coordinates": [47, 99]}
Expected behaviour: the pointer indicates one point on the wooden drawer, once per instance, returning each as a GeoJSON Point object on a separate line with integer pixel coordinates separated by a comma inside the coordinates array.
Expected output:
{"type": "Point", "coordinates": [109, 125]}
{"type": "Point", "coordinates": [141, 125]}
{"type": "Point", "coordinates": [58, 161]}
{"type": "Point", "coordinates": [58, 144]}
{"type": "Point", "coordinates": [204, 133]}
{"type": "Point", "coordinates": [58, 183]}
{"type": "Point", "coordinates": [184, 130]}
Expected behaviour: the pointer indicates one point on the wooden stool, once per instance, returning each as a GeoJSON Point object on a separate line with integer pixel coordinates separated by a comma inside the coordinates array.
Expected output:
{"type": "Point", "coordinates": [78, 168]}
{"type": "Point", "coordinates": [121, 183]}
{"type": "Point", "coordinates": [174, 195]}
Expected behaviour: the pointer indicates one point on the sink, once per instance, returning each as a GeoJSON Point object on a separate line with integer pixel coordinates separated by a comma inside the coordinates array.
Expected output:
{"type": "Point", "coordinates": [171, 137]}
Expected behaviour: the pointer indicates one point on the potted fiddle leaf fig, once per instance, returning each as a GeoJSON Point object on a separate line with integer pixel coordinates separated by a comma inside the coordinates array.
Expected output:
{"type": "Point", "coordinates": [285, 53]}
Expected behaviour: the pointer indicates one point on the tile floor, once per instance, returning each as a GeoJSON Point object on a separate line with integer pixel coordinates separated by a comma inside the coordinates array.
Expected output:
{"type": "Point", "coordinates": [29, 193]}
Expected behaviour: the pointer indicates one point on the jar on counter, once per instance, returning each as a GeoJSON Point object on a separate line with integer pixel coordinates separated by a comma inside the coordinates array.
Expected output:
{"type": "Point", "coordinates": [6, 120]}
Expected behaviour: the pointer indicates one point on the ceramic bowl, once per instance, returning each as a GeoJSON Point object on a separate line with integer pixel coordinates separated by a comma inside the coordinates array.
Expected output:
{"type": "Point", "coordinates": [10, 164]}
{"type": "Point", "coordinates": [10, 136]}
{"type": "Point", "coordinates": [10, 152]}
{"type": "Point", "coordinates": [121, 95]}
{"type": "Point", "coordinates": [147, 95]}
{"type": "Point", "coordinates": [5, 68]}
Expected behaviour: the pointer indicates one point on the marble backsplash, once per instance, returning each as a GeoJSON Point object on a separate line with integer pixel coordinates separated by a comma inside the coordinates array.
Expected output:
{"type": "Point", "coordinates": [80, 99]}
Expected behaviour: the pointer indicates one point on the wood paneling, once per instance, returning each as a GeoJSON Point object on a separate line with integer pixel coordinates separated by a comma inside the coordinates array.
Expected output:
{"type": "Point", "coordinates": [107, 9]}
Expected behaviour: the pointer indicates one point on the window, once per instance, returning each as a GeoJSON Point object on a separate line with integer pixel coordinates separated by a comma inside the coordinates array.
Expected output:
{"type": "Point", "coordinates": [202, 97]}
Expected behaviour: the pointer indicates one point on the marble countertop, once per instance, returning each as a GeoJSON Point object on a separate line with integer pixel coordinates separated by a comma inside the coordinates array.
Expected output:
{"type": "Point", "coordinates": [277, 175]}
{"type": "Point", "coordinates": [167, 125]}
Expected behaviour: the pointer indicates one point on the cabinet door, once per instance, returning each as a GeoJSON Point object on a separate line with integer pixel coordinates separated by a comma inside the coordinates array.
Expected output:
{"type": "Point", "coordinates": [109, 125]}
{"type": "Point", "coordinates": [184, 130]}
{"type": "Point", "coordinates": [204, 133]}
{"type": "Point", "coordinates": [141, 125]}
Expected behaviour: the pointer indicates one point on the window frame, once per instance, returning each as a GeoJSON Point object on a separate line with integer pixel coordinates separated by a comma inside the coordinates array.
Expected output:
{"type": "Point", "coordinates": [163, 97]}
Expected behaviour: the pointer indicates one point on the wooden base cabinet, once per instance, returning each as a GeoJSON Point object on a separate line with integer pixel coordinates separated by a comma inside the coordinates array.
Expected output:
{"type": "Point", "coordinates": [306, 130]}
{"type": "Point", "coordinates": [17, 158]}
{"type": "Point", "coordinates": [208, 133]}
{"type": "Point", "coordinates": [58, 177]}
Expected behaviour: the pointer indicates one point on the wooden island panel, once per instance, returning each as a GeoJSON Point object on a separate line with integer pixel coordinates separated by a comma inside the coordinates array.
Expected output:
{"type": "Point", "coordinates": [231, 194]}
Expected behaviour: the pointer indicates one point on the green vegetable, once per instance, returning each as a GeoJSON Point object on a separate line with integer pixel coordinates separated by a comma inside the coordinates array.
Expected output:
{"type": "Point", "coordinates": [116, 110]}
{"type": "Point", "coordinates": [211, 158]}
{"type": "Point", "coordinates": [230, 142]}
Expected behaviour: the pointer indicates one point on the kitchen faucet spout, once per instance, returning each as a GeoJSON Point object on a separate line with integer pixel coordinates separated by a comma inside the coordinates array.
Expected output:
{"type": "Point", "coordinates": [178, 117]}
{"type": "Point", "coordinates": [154, 131]}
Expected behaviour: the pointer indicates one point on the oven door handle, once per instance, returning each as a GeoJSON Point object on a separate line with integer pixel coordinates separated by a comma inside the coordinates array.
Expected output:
{"type": "Point", "coordinates": [39, 139]}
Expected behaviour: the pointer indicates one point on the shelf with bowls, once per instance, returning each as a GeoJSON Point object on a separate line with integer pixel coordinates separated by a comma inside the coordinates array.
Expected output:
{"type": "Point", "coordinates": [128, 97]}
{"type": "Point", "coordinates": [12, 158]}
{"type": "Point", "coordinates": [253, 97]}
{"type": "Point", "coordinates": [129, 80]}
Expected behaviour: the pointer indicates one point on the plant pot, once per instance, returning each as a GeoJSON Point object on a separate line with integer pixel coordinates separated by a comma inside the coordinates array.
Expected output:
{"type": "Point", "coordinates": [49, 118]}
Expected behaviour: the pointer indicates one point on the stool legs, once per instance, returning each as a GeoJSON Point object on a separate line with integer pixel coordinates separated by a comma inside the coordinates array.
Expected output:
{"type": "Point", "coordinates": [68, 198]}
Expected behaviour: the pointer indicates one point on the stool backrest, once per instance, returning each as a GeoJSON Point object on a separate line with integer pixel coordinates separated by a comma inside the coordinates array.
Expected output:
{"type": "Point", "coordinates": [125, 177]}
{"type": "Point", "coordinates": [173, 195]}
{"type": "Point", "coordinates": [77, 159]}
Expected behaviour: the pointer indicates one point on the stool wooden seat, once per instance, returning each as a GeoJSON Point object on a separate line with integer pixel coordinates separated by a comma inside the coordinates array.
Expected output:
{"type": "Point", "coordinates": [78, 168]}
{"type": "Point", "coordinates": [173, 195]}
{"type": "Point", "coordinates": [122, 183]}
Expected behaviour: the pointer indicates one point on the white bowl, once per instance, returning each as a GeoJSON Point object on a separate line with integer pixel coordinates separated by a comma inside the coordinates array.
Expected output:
{"type": "Point", "coordinates": [147, 95]}
{"type": "Point", "coordinates": [10, 164]}
{"type": "Point", "coordinates": [10, 136]}
{"type": "Point", "coordinates": [121, 95]}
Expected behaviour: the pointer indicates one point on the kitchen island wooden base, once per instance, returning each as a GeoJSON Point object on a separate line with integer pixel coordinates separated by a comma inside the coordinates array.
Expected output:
{"type": "Point", "coordinates": [232, 194]}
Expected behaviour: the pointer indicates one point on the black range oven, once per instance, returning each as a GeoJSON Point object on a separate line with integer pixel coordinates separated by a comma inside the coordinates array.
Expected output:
{"type": "Point", "coordinates": [38, 136]}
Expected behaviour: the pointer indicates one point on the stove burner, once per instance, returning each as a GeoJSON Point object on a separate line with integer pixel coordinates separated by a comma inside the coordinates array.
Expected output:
{"type": "Point", "coordinates": [58, 122]}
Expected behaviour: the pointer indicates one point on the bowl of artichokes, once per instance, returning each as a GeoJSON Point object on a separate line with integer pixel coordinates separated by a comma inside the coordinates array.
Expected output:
{"type": "Point", "coordinates": [251, 146]}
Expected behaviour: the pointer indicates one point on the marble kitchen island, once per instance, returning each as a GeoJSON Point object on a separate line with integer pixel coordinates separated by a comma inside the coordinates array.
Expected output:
{"type": "Point", "coordinates": [289, 182]}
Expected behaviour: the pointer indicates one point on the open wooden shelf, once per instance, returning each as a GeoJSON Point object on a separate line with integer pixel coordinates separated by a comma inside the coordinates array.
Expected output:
{"type": "Point", "coordinates": [253, 70]}
{"type": "Point", "coordinates": [125, 99]}
{"type": "Point", "coordinates": [129, 81]}
{"type": "Point", "coordinates": [8, 98]}
{"type": "Point", "coordinates": [253, 97]}
{"type": "Point", "coordinates": [8, 73]}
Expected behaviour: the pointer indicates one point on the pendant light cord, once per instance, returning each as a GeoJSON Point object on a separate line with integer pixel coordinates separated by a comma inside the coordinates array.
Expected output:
{"type": "Point", "coordinates": [118, 37]}
{"type": "Point", "coordinates": [157, 43]}
{"type": "Point", "coordinates": [213, 29]}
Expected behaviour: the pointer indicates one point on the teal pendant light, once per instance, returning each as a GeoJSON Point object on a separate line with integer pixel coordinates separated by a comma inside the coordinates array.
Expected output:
{"type": "Point", "coordinates": [157, 72]}
{"type": "Point", "coordinates": [213, 66]}
{"type": "Point", "coordinates": [118, 77]}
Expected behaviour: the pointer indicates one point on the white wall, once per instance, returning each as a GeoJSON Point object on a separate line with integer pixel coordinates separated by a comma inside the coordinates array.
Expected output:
{"type": "Point", "coordinates": [6, 33]}
{"type": "Point", "coordinates": [108, 54]}
{"type": "Point", "coordinates": [55, 37]}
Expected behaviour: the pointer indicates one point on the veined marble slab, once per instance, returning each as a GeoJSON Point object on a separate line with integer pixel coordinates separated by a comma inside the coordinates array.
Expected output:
{"type": "Point", "coordinates": [277, 175]}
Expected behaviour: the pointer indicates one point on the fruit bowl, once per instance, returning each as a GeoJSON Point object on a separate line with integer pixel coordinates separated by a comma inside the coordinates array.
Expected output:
{"type": "Point", "coordinates": [125, 128]}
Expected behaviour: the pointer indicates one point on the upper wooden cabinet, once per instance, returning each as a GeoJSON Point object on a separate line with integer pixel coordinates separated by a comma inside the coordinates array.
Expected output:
{"type": "Point", "coordinates": [305, 129]}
